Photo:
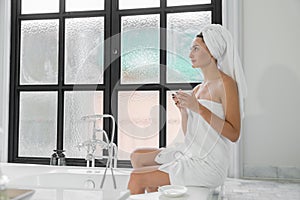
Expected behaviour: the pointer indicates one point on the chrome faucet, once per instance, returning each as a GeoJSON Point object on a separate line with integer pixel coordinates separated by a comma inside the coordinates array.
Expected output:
{"type": "Point", "coordinates": [92, 144]}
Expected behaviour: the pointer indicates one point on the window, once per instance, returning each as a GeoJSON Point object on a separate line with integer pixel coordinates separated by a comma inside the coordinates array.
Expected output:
{"type": "Point", "coordinates": [123, 57]}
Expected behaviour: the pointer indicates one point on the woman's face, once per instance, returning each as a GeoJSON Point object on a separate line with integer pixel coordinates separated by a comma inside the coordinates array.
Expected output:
{"type": "Point", "coordinates": [199, 54]}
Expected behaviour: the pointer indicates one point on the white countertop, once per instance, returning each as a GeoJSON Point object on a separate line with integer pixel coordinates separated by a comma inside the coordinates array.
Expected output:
{"type": "Point", "coordinates": [193, 193]}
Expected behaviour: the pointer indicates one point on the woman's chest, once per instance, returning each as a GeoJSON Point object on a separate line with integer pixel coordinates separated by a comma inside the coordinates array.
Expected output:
{"type": "Point", "coordinates": [208, 92]}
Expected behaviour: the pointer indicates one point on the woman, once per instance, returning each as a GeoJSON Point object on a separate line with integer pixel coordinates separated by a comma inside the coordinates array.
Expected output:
{"type": "Point", "coordinates": [210, 116]}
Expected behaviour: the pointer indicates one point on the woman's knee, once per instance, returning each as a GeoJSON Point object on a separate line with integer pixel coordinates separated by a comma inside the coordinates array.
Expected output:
{"type": "Point", "coordinates": [135, 153]}
{"type": "Point", "coordinates": [138, 158]}
{"type": "Point", "coordinates": [135, 159]}
{"type": "Point", "coordinates": [144, 150]}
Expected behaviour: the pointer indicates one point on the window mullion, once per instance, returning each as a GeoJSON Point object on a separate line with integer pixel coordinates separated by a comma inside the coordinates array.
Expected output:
{"type": "Point", "coordinates": [61, 71]}
{"type": "Point", "coordinates": [163, 75]}
{"type": "Point", "coordinates": [217, 11]}
{"type": "Point", "coordinates": [115, 62]}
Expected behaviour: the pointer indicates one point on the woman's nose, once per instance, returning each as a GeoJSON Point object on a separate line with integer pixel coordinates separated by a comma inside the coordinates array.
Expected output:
{"type": "Point", "coordinates": [191, 54]}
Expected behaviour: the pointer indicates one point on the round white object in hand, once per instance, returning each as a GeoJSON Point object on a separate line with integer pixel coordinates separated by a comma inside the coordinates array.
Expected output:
{"type": "Point", "coordinates": [172, 190]}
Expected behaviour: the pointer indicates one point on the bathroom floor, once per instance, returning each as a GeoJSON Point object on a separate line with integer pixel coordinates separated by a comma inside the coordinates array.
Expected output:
{"type": "Point", "coordinates": [237, 189]}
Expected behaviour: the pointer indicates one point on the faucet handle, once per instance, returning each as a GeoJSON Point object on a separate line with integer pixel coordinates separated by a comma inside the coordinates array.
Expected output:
{"type": "Point", "coordinates": [102, 144]}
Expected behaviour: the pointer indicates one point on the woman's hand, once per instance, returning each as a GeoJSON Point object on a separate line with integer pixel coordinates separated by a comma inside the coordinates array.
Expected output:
{"type": "Point", "coordinates": [185, 100]}
{"type": "Point", "coordinates": [177, 103]}
{"type": "Point", "coordinates": [182, 109]}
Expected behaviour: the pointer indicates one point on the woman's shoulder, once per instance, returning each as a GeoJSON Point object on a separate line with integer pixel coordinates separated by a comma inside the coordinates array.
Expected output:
{"type": "Point", "coordinates": [228, 81]}
{"type": "Point", "coordinates": [229, 84]}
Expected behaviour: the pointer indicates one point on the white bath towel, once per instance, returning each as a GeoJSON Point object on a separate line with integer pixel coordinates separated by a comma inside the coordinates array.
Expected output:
{"type": "Point", "coordinates": [203, 158]}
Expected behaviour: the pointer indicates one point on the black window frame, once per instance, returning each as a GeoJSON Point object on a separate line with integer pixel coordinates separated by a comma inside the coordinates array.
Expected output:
{"type": "Point", "coordinates": [110, 87]}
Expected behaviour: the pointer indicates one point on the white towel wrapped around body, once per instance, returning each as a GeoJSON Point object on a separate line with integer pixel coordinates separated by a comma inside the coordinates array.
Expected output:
{"type": "Point", "coordinates": [203, 158]}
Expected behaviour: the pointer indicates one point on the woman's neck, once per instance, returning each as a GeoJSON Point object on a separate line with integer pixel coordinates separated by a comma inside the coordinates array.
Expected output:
{"type": "Point", "coordinates": [211, 72]}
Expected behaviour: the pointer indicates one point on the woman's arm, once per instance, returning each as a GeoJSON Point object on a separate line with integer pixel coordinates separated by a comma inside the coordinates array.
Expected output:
{"type": "Point", "coordinates": [183, 113]}
{"type": "Point", "coordinates": [184, 118]}
{"type": "Point", "coordinates": [230, 127]}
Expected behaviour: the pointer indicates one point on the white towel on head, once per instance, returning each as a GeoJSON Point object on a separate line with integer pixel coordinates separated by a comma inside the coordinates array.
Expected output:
{"type": "Point", "coordinates": [220, 44]}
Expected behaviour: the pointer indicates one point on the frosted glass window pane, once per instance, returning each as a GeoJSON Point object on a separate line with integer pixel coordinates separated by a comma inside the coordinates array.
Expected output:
{"type": "Point", "coordinates": [174, 130]}
{"type": "Point", "coordinates": [138, 121]}
{"type": "Point", "coordinates": [80, 5]}
{"type": "Point", "coordinates": [77, 105]}
{"type": "Point", "coordinates": [38, 124]}
{"type": "Point", "coordinates": [40, 6]}
{"type": "Point", "coordinates": [84, 50]}
{"type": "Point", "coordinates": [186, 2]}
{"type": "Point", "coordinates": [129, 4]}
{"type": "Point", "coordinates": [181, 30]}
{"type": "Point", "coordinates": [39, 52]}
{"type": "Point", "coordinates": [140, 49]}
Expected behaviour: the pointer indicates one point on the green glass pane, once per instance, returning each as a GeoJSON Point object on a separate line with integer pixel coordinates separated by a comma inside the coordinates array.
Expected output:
{"type": "Point", "coordinates": [140, 49]}
{"type": "Point", "coordinates": [181, 30]}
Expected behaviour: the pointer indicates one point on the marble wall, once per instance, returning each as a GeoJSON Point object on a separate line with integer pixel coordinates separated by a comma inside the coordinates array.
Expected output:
{"type": "Point", "coordinates": [271, 52]}
{"type": "Point", "coordinates": [271, 172]}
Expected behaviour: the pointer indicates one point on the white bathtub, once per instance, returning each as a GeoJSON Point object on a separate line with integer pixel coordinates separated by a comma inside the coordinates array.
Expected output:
{"type": "Point", "coordinates": [80, 183]}
{"type": "Point", "coordinates": [64, 183]}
